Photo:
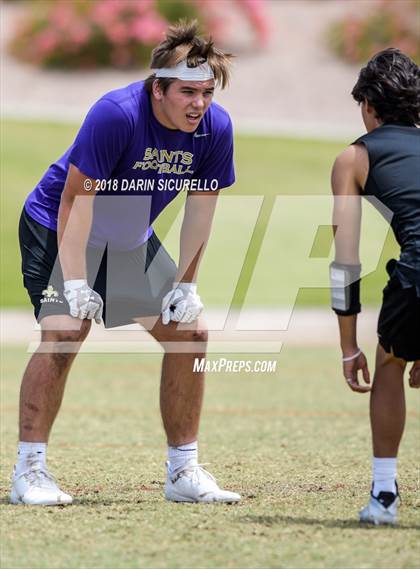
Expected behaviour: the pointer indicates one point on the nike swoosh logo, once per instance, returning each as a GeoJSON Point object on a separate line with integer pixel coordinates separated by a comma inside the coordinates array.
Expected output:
{"type": "Point", "coordinates": [196, 135]}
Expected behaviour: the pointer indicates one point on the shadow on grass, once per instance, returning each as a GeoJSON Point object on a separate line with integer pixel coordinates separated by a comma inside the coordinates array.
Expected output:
{"type": "Point", "coordinates": [88, 502]}
{"type": "Point", "coordinates": [265, 520]}
{"type": "Point", "coordinates": [277, 519]}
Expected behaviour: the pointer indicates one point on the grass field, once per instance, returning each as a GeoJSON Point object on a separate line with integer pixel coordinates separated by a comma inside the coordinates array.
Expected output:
{"type": "Point", "coordinates": [266, 168]}
{"type": "Point", "coordinates": [295, 443]}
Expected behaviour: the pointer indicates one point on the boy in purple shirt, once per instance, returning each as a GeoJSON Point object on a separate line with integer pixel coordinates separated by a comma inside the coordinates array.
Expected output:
{"type": "Point", "coordinates": [89, 251]}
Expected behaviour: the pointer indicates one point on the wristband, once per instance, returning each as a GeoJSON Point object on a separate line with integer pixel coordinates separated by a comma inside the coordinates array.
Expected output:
{"type": "Point", "coordinates": [353, 357]}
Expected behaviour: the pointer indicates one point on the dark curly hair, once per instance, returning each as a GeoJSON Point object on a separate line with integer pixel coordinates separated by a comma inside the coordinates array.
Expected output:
{"type": "Point", "coordinates": [390, 83]}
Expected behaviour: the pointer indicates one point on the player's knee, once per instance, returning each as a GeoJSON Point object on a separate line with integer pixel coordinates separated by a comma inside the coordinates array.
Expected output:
{"type": "Point", "coordinates": [61, 360]}
{"type": "Point", "coordinates": [68, 336]}
{"type": "Point", "coordinates": [197, 335]}
{"type": "Point", "coordinates": [200, 336]}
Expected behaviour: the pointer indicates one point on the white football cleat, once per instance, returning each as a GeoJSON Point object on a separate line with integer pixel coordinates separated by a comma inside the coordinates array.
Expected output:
{"type": "Point", "coordinates": [194, 484]}
{"type": "Point", "coordinates": [36, 487]}
{"type": "Point", "coordinates": [382, 509]}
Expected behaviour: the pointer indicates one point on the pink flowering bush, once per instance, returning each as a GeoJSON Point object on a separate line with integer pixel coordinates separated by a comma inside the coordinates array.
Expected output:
{"type": "Point", "coordinates": [357, 38]}
{"type": "Point", "coordinates": [216, 19]}
{"type": "Point", "coordinates": [74, 34]}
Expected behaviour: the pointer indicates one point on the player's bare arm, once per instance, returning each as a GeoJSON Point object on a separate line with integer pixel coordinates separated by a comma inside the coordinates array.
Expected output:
{"type": "Point", "coordinates": [182, 303]}
{"type": "Point", "coordinates": [75, 216]}
{"type": "Point", "coordinates": [348, 178]}
{"type": "Point", "coordinates": [74, 224]}
{"type": "Point", "coordinates": [195, 233]}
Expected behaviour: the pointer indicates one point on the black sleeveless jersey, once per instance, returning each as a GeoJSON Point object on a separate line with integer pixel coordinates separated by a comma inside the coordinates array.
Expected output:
{"type": "Point", "coordinates": [394, 179]}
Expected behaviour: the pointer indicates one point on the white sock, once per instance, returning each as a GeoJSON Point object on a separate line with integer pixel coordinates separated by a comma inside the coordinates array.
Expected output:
{"type": "Point", "coordinates": [28, 452]}
{"type": "Point", "coordinates": [384, 475]}
{"type": "Point", "coordinates": [180, 455]}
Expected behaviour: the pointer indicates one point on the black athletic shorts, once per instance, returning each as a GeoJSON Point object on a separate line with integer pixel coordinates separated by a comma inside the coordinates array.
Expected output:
{"type": "Point", "coordinates": [131, 283]}
{"type": "Point", "coordinates": [399, 319]}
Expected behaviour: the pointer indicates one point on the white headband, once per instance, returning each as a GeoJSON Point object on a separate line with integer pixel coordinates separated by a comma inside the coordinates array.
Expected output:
{"type": "Point", "coordinates": [181, 71]}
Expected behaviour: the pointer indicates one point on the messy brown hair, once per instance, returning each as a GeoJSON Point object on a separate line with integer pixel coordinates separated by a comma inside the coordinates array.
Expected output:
{"type": "Point", "coordinates": [182, 42]}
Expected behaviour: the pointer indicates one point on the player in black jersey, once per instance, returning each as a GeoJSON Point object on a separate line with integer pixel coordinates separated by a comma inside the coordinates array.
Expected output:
{"type": "Point", "coordinates": [384, 163]}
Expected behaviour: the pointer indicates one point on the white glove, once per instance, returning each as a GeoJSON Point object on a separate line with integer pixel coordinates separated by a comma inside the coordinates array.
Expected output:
{"type": "Point", "coordinates": [181, 304]}
{"type": "Point", "coordinates": [84, 302]}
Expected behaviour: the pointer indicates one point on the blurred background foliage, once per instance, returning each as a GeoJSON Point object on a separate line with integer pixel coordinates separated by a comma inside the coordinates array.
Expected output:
{"type": "Point", "coordinates": [356, 38]}
{"type": "Point", "coordinates": [117, 33]}
{"type": "Point", "coordinates": [121, 33]}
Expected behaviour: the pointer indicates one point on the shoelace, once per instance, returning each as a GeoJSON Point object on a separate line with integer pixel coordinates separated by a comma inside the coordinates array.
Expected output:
{"type": "Point", "coordinates": [39, 477]}
{"type": "Point", "coordinates": [195, 470]}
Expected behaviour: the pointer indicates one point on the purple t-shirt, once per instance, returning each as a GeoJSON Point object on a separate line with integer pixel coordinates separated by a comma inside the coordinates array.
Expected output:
{"type": "Point", "coordinates": [139, 166]}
